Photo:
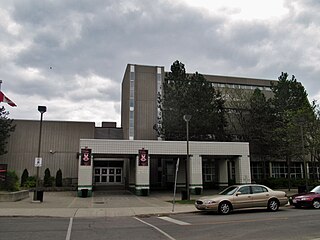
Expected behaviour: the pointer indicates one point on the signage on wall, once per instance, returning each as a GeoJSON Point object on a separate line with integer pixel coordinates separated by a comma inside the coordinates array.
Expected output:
{"type": "Point", "coordinates": [3, 172]}
{"type": "Point", "coordinates": [143, 157]}
{"type": "Point", "coordinates": [85, 157]}
{"type": "Point", "coordinates": [38, 162]}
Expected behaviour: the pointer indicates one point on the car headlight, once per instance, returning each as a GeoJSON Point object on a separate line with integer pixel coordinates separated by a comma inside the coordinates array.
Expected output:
{"type": "Point", "coordinates": [209, 201]}
{"type": "Point", "coordinates": [306, 199]}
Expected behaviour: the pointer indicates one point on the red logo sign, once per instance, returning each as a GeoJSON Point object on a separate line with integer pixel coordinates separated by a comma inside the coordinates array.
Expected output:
{"type": "Point", "coordinates": [143, 157]}
{"type": "Point", "coordinates": [85, 157]}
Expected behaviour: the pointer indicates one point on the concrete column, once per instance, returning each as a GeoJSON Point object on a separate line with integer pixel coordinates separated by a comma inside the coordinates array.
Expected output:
{"type": "Point", "coordinates": [132, 173]}
{"type": "Point", "coordinates": [195, 174]}
{"type": "Point", "coordinates": [85, 174]}
{"type": "Point", "coordinates": [142, 178]}
{"type": "Point", "coordinates": [243, 172]}
{"type": "Point", "coordinates": [223, 172]}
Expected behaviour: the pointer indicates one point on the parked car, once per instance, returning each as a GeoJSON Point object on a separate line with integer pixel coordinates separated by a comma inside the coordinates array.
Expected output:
{"type": "Point", "coordinates": [243, 196]}
{"type": "Point", "coordinates": [309, 199]}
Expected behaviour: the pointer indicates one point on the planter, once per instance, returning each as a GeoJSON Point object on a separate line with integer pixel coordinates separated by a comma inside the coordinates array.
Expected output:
{"type": "Point", "coordinates": [13, 196]}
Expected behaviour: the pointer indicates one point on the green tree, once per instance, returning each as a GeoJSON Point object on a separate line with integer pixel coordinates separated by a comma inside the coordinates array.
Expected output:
{"type": "Point", "coordinates": [47, 181]}
{"type": "Point", "coordinates": [24, 177]}
{"type": "Point", "coordinates": [193, 95]}
{"type": "Point", "coordinates": [6, 127]}
{"type": "Point", "coordinates": [290, 103]}
{"type": "Point", "coordinates": [260, 128]}
{"type": "Point", "coordinates": [59, 178]}
{"type": "Point", "coordinates": [312, 132]}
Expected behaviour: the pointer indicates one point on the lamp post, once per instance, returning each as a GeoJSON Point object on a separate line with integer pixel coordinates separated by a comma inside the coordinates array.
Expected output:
{"type": "Point", "coordinates": [303, 157]}
{"type": "Point", "coordinates": [42, 110]}
{"type": "Point", "coordinates": [187, 118]}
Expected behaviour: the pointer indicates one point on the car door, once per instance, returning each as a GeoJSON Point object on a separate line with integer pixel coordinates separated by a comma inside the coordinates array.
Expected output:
{"type": "Point", "coordinates": [260, 196]}
{"type": "Point", "coordinates": [243, 197]}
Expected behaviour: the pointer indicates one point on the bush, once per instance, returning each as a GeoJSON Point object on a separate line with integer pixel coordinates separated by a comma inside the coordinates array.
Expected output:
{"type": "Point", "coordinates": [59, 178]}
{"type": "Point", "coordinates": [12, 182]}
{"type": "Point", "coordinates": [24, 177]}
{"type": "Point", "coordinates": [277, 183]}
{"type": "Point", "coordinates": [47, 181]}
{"type": "Point", "coordinates": [30, 183]}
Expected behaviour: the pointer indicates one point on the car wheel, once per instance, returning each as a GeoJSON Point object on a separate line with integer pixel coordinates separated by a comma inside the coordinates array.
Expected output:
{"type": "Point", "coordinates": [316, 204]}
{"type": "Point", "coordinates": [224, 208]}
{"type": "Point", "coordinates": [273, 205]}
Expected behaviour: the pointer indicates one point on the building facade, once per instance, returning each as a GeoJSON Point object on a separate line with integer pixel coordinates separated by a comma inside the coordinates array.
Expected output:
{"type": "Point", "coordinates": [110, 157]}
{"type": "Point", "coordinates": [141, 86]}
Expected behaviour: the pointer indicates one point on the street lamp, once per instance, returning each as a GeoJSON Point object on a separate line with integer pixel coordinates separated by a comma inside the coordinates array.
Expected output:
{"type": "Point", "coordinates": [42, 110]}
{"type": "Point", "coordinates": [303, 157]}
{"type": "Point", "coordinates": [187, 118]}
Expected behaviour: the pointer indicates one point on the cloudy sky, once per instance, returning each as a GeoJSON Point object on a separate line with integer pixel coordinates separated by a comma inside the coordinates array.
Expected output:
{"type": "Point", "coordinates": [70, 55]}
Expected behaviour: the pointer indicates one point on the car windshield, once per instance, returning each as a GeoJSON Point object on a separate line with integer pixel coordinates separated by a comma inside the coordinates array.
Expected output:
{"type": "Point", "coordinates": [229, 191]}
{"type": "Point", "coordinates": [316, 189]}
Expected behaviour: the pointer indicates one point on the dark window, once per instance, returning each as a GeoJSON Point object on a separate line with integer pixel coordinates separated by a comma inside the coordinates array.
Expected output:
{"type": "Point", "coordinates": [245, 190]}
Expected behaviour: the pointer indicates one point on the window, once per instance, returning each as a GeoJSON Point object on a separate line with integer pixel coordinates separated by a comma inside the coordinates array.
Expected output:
{"type": "Point", "coordinates": [279, 170]}
{"type": "Point", "coordinates": [245, 190]}
{"type": "Point", "coordinates": [258, 189]}
{"type": "Point", "coordinates": [257, 170]}
{"type": "Point", "coordinates": [209, 171]}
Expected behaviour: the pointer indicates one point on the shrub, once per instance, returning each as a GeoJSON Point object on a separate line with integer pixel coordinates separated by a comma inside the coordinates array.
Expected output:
{"type": "Point", "coordinates": [31, 182]}
{"type": "Point", "coordinates": [12, 182]}
{"type": "Point", "coordinates": [59, 178]}
{"type": "Point", "coordinates": [24, 177]}
{"type": "Point", "coordinates": [47, 181]}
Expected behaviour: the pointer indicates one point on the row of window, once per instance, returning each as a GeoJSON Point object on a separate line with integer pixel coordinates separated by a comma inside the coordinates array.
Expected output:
{"type": "Point", "coordinates": [131, 100]}
{"type": "Point", "coordinates": [240, 86]}
{"type": "Point", "coordinates": [278, 170]}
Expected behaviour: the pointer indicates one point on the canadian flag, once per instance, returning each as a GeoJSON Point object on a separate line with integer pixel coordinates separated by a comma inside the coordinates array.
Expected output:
{"type": "Point", "coordinates": [4, 98]}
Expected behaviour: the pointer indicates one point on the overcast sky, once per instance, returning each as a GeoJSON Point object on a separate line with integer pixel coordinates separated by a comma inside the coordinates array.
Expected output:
{"type": "Point", "coordinates": [70, 55]}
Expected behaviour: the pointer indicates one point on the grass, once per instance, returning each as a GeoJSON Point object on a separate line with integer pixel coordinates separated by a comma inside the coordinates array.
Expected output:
{"type": "Point", "coordinates": [191, 201]}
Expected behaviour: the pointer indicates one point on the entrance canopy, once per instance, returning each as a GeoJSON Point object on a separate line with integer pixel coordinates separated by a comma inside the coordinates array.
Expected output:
{"type": "Point", "coordinates": [137, 169]}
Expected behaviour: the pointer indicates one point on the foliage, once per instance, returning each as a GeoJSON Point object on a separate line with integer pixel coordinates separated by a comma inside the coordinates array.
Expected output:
{"type": "Point", "coordinates": [24, 177]}
{"type": "Point", "coordinates": [6, 127]}
{"type": "Point", "coordinates": [276, 183]}
{"type": "Point", "coordinates": [47, 181]}
{"type": "Point", "coordinates": [12, 182]}
{"type": "Point", "coordinates": [193, 95]}
{"type": "Point", "coordinates": [59, 178]}
{"type": "Point", "coordinates": [31, 182]}
{"type": "Point", "coordinates": [291, 110]}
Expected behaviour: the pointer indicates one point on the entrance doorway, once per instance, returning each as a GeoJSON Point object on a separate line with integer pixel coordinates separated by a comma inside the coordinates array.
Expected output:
{"type": "Point", "coordinates": [108, 175]}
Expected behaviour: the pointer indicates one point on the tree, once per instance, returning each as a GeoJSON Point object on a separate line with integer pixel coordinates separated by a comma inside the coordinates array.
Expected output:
{"type": "Point", "coordinates": [59, 178]}
{"type": "Point", "coordinates": [47, 181]}
{"type": "Point", "coordinates": [194, 95]}
{"type": "Point", "coordinates": [24, 177]}
{"type": "Point", "coordinates": [6, 127]}
{"type": "Point", "coordinates": [290, 103]}
{"type": "Point", "coordinates": [312, 130]}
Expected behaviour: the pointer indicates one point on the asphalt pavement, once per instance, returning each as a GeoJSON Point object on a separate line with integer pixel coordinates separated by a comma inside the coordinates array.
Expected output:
{"type": "Point", "coordinates": [101, 204]}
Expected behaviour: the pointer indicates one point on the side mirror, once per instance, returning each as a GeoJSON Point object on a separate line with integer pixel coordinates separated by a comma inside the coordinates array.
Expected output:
{"type": "Point", "coordinates": [238, 193]}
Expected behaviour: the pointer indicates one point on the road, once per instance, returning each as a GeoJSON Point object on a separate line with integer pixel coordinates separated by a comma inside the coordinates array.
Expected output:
{"type": "Point", "coordinates": [288, 223]}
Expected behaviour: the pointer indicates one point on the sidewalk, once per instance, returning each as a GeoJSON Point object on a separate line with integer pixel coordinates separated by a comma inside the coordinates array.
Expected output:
{"type": "Point", "coordinates": [101, 204]}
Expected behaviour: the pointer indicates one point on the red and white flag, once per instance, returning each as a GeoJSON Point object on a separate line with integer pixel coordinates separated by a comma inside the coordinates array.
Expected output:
{"type": "Point", "coordinates": [4, 98]}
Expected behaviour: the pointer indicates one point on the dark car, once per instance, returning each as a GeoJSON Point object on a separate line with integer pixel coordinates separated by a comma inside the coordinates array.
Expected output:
{"type": "Point", "coordinates": [310, 199]}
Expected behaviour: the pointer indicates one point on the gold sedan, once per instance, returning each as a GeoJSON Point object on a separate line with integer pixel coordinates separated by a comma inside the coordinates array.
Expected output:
{"type": "Point", "coordinates": [242, 196]}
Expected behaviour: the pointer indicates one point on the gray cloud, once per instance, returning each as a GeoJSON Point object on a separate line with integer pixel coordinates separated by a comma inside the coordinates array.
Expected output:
{"type": "Point", "coordinates": [71, 55]}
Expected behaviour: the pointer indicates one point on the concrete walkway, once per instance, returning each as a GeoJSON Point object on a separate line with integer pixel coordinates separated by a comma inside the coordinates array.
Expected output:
{"type": "Point", "coordinates": [101, 204]}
